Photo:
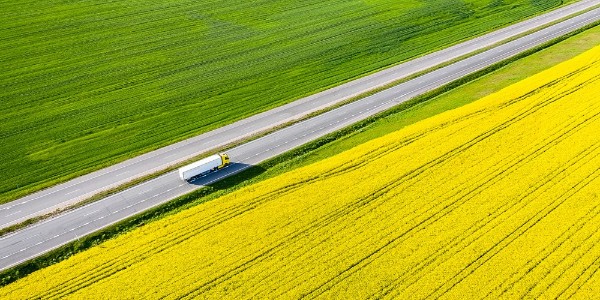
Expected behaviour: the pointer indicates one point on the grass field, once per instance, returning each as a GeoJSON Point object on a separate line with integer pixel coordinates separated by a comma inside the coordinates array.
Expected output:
{"type": "Point", "coordinates": [498, 198]}
{"type": "Point", "coordinates": [85, 84]}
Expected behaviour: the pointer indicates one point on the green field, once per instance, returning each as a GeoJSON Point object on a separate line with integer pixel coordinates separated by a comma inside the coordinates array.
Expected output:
{"type": "Point", "coordinates": [85, 84]}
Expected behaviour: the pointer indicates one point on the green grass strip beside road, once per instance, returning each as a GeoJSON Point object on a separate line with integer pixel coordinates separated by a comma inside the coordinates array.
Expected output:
{"type": "Point", "coordinates": [466, 92]}
{"type": "Point", "coordinates": [87, 84]}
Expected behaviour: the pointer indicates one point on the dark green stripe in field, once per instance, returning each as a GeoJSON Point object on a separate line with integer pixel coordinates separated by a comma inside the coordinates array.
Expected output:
{"type": "Point", "coordinates": [84, 84]}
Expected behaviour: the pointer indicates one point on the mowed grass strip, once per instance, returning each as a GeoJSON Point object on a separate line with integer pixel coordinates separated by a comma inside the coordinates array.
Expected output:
{"type": "Point", "coordinates": [496, 199]}
{"type": "Point", "coordinates": [86, 84]}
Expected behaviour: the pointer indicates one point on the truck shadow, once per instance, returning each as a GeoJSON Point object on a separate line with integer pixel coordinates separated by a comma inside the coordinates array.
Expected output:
{"type": "Point", "coordinates": [229, 176]}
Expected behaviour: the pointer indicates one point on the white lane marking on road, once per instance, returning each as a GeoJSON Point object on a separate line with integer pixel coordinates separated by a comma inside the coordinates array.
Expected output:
{"type": "Point", "coordinates": [143, 192]}
{"type": "Point", "coordinates": [174, 154]}
{"type": "Point", "coordinates": [16, 212]}
{"type": "Point", "coordinates": [69, 193]}
{"type": "Point", "coordinates": [91, 212]}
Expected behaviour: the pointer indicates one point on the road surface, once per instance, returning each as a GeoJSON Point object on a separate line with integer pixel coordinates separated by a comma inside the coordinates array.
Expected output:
{"type": "Point", "coordinates": [52, 233]}
{"type": "Point", "coordinates": [83, 187]}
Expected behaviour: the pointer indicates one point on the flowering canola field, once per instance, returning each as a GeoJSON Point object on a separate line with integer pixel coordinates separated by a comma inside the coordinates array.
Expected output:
{"type": "Point", "coordinates": [498, 199]}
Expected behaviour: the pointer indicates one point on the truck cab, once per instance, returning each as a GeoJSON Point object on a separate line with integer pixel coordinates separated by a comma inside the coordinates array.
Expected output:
{"type": "Point", "coordinates": [224, 160]}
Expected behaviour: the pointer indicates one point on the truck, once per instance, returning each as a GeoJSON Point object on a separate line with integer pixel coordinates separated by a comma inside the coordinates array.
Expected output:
{"type": "Point", "coordinates": [204, 166]}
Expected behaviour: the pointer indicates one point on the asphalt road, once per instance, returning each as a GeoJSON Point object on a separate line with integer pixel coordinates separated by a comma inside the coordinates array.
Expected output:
{"type": "Point", "coordinates": [47, 235]}
{"type": "Point", "coordinates": [83, 187]}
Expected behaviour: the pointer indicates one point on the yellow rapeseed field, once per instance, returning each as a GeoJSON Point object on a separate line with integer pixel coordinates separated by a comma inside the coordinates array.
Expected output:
{"type": "Point", "coordinates": [498, 199]}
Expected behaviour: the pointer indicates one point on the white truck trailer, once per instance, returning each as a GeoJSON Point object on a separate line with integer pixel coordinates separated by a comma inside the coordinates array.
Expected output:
{"type": "Point", "coordinates": [204, 166]}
